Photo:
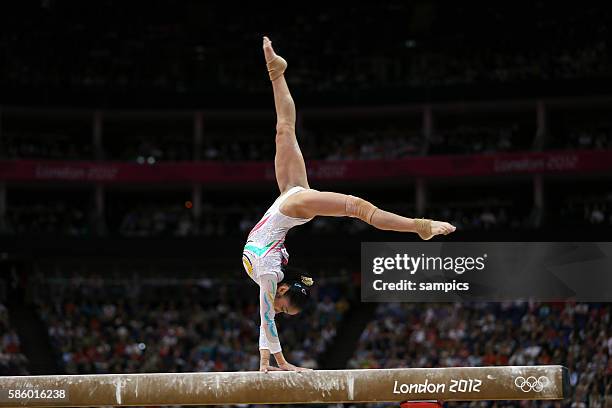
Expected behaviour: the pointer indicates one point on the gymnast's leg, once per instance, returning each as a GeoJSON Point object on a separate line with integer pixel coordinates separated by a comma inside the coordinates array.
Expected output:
{"type": "Point", "coordinates": [288, 163]}
{"type": "Point", "coordinates": [312, 203]}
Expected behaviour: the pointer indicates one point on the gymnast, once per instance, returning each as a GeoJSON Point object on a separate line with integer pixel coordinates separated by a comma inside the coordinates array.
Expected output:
{"type": "Point", "coordinates": [265, 255]}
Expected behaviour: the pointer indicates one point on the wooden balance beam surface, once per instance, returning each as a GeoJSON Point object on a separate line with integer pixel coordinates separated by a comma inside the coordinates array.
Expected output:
{"type": "Point", "coordinates": [320, 386]}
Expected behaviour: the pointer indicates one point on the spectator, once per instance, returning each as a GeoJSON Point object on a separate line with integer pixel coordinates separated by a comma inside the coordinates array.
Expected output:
{"type": "Point", "coordinates": [517, 333]}
{"type": "Point", "coordinates": [186, 329]}
{"type": "Point", "coordinates": [12, 361]}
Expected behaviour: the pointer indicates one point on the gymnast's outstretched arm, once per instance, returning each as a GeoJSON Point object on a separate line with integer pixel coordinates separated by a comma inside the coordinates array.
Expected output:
{"type": "Point", "coordinates": [269, 342]}
{"type": "Point", "coordinates": [311, 203]}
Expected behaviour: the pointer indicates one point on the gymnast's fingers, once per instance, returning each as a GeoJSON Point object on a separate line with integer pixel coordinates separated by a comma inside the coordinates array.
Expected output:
{"type": "Point", "coordinates": [265, 369]}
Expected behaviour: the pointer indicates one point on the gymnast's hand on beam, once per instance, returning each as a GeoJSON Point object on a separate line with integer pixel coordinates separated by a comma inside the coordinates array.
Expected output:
{"type": "Point", "coordinates": [266, 367]}
{"type": "Point", "coordinates": [290, 367]}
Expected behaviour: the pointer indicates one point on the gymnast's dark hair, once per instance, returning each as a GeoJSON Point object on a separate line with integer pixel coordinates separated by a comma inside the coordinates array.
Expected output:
{"type": "Point", "coordinates": [299, 283]}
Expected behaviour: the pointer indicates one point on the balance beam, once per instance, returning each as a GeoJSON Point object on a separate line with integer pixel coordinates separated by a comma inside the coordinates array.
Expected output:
{"type": "Point", "coordinates": [320, 386]}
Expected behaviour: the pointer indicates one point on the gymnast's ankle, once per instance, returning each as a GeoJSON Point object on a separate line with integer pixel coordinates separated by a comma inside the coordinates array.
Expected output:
{"type": "Point", "coordinates": [275, 63]}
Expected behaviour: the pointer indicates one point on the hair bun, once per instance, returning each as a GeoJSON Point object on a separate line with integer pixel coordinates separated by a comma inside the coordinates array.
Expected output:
{"type": "Point", "coordinates": [307, 280]}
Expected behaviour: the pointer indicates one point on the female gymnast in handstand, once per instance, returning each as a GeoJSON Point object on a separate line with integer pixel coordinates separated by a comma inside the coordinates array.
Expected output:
{"type": "Point", "coordinates": [264, 253]}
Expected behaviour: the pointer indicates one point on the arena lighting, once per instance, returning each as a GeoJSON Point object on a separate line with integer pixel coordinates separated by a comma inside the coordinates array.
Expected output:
{"type": "Point", "coordinates": [286, 387]}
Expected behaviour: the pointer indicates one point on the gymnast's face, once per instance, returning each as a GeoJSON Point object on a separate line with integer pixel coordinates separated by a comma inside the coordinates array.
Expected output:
{"type": "Point", "coordinates": [282, 303]}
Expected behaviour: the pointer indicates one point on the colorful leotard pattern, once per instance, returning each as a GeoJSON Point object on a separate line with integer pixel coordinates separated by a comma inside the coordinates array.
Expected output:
{"type": "Point", "coordinates": [263, 255]}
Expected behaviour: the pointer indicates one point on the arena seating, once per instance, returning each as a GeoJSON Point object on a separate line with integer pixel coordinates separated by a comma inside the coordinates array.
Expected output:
{"type": "Point", "coordinates": [577, 335]}
{"type": "Point", "coordinates": [118, 121]}
{"type": "Point", "coordinates": [12, 361]}
{"type": "Point", "coordinates": [409, 46]}
{"type": "Point", "coordinates": [105, 325]}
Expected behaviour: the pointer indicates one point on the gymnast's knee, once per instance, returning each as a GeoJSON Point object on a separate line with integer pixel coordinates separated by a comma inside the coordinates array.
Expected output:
{"type": "Point", "coordinates": [284, 129]}
{"type": "Point", "coordinates": [359, 208]}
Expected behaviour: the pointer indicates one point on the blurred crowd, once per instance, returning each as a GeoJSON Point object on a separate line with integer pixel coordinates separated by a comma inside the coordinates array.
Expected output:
{"type": "Point", "coordinates": [149, 149]}
{"type": "Point", "coordinates": [588, 209]}
{"type": "Point", "coordinates": [487, 216]}
{"type": "Point", "coordinates": [61, 217]}
{"type": "Point", "coordinates": [12, 361]}
{"type": "Point", "coordinates": [159, 220]}
{"type": "Point", "coordinates": [597, 135]}
{"type": "Point", "coordinates": [115, 49]}
{"type": "Point", "coordinates": [41, 145]}
{"type": "Point", "coordinates": [481, 139]}
{"type": "Point", "coordinates": [479, 214]}
{"type": "Point", "coordinates": [107, 324]}
{"type": "Point", "coordinates": [375, 144]}
{"type": "Point", "coordinates": [163, 219]}
{"type": "Point", "coordinates": [178, 49]}
{"type": "Point", "coordinates": [576, 335]}
{"type": "Point", "coordinates": [97, 326]}
{"type": "Point", "coordinates": [482, 212]}
{"type": "Point", "coordinates": [364, 143]}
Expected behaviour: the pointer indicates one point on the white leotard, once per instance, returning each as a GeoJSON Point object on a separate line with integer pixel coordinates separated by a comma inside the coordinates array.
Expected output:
{"type": "Point", "coordinates": [263, 255]}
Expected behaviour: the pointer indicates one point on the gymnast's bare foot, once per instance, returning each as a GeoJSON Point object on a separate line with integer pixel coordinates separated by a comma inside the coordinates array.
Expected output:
{"type": "Point", "coordinates": [276, 64]}
{"type": "Point", "coordinates": [441, 228]}
{"type": "Point", "coordinates": [427, 229]}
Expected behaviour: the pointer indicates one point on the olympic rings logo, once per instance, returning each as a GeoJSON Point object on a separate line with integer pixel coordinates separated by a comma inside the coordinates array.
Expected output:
{"type": "Point", "coordinates": [531, 383]}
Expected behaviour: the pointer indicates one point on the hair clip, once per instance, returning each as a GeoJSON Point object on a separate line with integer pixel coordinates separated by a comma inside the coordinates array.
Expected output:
{"type": "Point", "coordinates": [307, 281]}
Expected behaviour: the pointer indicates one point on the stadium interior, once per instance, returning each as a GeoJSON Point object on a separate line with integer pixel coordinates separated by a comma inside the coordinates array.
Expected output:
{"type": "Point", "coordinates": [136, 154]}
